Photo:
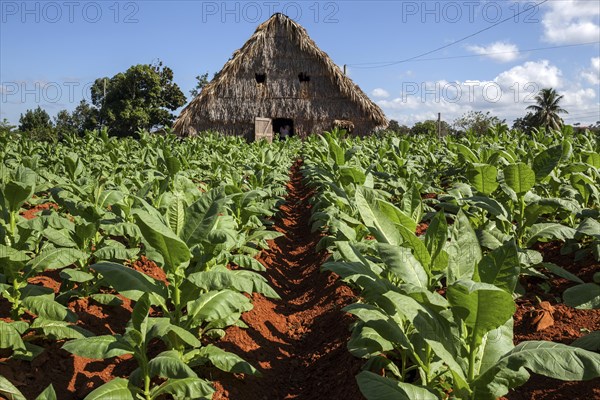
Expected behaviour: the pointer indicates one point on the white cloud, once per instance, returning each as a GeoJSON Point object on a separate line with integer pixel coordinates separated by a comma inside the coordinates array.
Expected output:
{"type": "Point", "coordinates": [497, 51]}
{"type": "Point", "coordinates": [542, 73]}
{"type": "Point", "coordinates": [571, 21]}
{"type": "Point", "coordinates": [507, 95]}
{"type": "Point", "coordinates": [592, 75]}
{"type": "Point", "coordinates": [381, 93]}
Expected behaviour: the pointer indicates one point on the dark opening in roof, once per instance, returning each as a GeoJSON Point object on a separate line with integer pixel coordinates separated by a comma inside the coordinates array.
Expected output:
{"type": "Point", "coordinates": [260, 78]}
{"type": "Point", "coordinates": [303, 77]}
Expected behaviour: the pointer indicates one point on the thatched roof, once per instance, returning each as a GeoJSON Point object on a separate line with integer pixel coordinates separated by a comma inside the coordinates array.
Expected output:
{"type": "Point", "coordinates": [215, 101]}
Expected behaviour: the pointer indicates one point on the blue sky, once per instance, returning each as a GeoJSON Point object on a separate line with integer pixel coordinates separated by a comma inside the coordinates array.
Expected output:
{"type": "Point", "coordinates": [50, 51]}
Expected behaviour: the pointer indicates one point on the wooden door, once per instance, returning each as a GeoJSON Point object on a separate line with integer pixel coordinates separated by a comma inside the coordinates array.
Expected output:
{"type": "Point", "coordinates": [263, 129]}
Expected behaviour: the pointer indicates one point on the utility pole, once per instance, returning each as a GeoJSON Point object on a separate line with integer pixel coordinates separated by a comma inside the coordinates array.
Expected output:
{"type": "Point", "coordinates": [101, 122]}
{"type": "Point", "coordinates": [439, 125]}
{"type": "Point", "coordinates": [344, 69]}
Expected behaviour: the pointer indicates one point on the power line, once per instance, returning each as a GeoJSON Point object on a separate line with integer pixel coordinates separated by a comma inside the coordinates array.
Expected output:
{"type": "Point", "coordinates": [360, 65]}
{"type": "Point", "coordinates": [461, 39]}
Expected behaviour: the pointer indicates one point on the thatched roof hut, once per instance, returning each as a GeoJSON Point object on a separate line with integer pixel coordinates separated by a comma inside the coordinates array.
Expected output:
{"type": "Point", "coordinates": [279, 77]}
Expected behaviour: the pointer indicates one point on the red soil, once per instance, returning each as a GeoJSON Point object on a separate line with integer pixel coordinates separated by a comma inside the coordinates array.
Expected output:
{"type": "Point", "coordinates": [73, 377]}
{"type": "Point", "coordinates": [149, 268]}
{"type": "Point", "coordinates": [33, 211]}
{"type": "Point", "coordinates": [422, 228]}
{"type": "Point", "coordinates": [299, 342]}
{"type": "Point", "coordinates": [567, 324]}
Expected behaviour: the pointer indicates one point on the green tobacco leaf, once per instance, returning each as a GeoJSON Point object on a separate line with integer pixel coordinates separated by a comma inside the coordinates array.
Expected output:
{"type": "Point", "coordinates": [520, 177]}
{"type": "Point", "coordinates": [242, 281]}
{"type": "Point", "coordinates": [10, 338]}
{"type": "Point", "coordinates": [417, 246]}
{"type": "Point", "coordinates": [55, 258]}
{"type": "Point", "coordinates": [481, 306]}
{"type": "Point", "coordinates": [490, 205]}
{"type": "Point", "coordinates": [47, 394]}
{"type": "Point", "coordinates": [546, 161]}
{"type": "Point", "coordinates": [463, 250]}
{"type": "Point", "coordinates": [427, 318]}
{"type": "Point", "coordinates": [216, 305]}
{"type": "Point", "coordinates": [483, 177]}
{"type": "Point", "coordinates": [176, 212]}
{"type": "Point", "coordinates": [60, 329]}
{"type": "Point", "coordinates": [107, 299]}
{"type": "Point", "coordinates": [8, 253]}
{"type": "Point", "coordinates": [174, 251]}
{"type": "Point", "coordinates": [97, 347]}
{"type": "Point", "coordinates": [549, 231]}
{"type": "Point", "coordinates": [115, 253]}
{"type": "Point", "coordinates": [202, 216]}
{"type": "Point", "coordinates": [226, 361]}
{"type": "Point", "coordinates": [436, 237]}
{"type": "Point", "coordinates": [186, 388]}
{"type": "Point", "coordinates": [75, 275]}
{"type": "Point", "coordinates": [247, 262]}
{"type": "Point", "coordinates": [168, 365]}
{"type": "Point", "coordinates": [46, 307]}
{"type": "Point", "coordinates": [563, 273]}
{"type": "Point", "coordinates": [378, 222]}
{"type": "Point", "coordinates": [109, 197]}
{"type": "Point", "coordinates": [366, 341]}
{"type": "Point", "coordinates": [139, 315]}
{"type": "Point", "coordinates": [501, 267]}
{"type": "Point", "coordinates": [589, 227]}
{"type": "Point", "coordinates": [161, 327]}
{"type": "Point", "coordinates": [353, 175]}
{"type": "Point", "coordinates": [375, 387]}
{"type": "Point", "coordinates": [129, 282]}
{"type": "Point", "coordinates": [554, 360]}
{"type": "Point", "coordinates": [590, 342]}
{"type": "Point", "coordinates": [118, 388]}
{"type": "Point", "coordinates": [403, 263]}
{"type": "Point", "coordinates": [466, 153]}
{"type": "Point", "coordinates": [60, 237]}
{"type": "Point", "coordinates": [18, 191]}
{"type": "Point", "coordinates": [8, 390]}
{"type": "Point", "coordinates": [593, 159]}
{"type": "Point", "coordinates": [496, 344]}
{"type": "Point", "coordinates": [584, 296]}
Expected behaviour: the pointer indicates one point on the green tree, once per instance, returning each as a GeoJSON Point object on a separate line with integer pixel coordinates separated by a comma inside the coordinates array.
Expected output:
{"type": "Point", "coordinates": [477, 122]}
{"type": "Point", "coordinates": [524, 124]}
{"type": "Point", "coordinates": [85, 117]}
{"type": "Point", "coordinates": [430, 127]}
{"type": "Point", "coordinates": [6, 127]}
{"type": "Point", "coordinates": [140, 98]}
{"type": "Point", "coordinates": [394, 126]}
{"type": "Point", "coordinates": [37, 124]}
{"type": "Point", "coordinates": [201, 81]}
{"type": "Point", "coordinates": [545, 112]}
{"type": "Point", "coordinates": [63, 123]}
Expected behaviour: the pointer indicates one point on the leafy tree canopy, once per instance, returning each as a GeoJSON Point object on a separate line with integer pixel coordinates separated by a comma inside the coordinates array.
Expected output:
{"type": "Point", "coordinates": [37, 124]}
{"type": "Point", "coordinates": [140, 98]}
{"type": "Point", "coordinates": [201, 81]}
{"type": "Point", "coordinates": [430, 127]}
{"type": "Point", "coordinates": [477, 122]}
{"type": "Point", "coordinates": [394, 126]}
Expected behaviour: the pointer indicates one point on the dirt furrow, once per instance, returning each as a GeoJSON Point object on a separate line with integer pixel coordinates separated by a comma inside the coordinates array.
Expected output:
{"type": "Point", "coordinates": [298, 342]}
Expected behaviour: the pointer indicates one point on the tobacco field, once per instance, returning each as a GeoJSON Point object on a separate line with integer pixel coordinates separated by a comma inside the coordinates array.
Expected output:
{"type": "Point", "coordinates": [385, 267]}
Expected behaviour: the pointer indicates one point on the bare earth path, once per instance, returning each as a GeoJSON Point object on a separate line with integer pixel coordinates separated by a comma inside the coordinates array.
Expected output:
{"type": "Point", "coordinates": [299, 342]}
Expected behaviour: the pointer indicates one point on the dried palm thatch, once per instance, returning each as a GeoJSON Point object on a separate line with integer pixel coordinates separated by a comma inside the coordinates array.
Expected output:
{"type": "Point", "coordinates": [299, 82]}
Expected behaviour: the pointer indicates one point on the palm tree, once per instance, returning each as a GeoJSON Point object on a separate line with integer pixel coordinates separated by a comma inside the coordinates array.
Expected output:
{"type": "Point", "coordinates": [547, 109]}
